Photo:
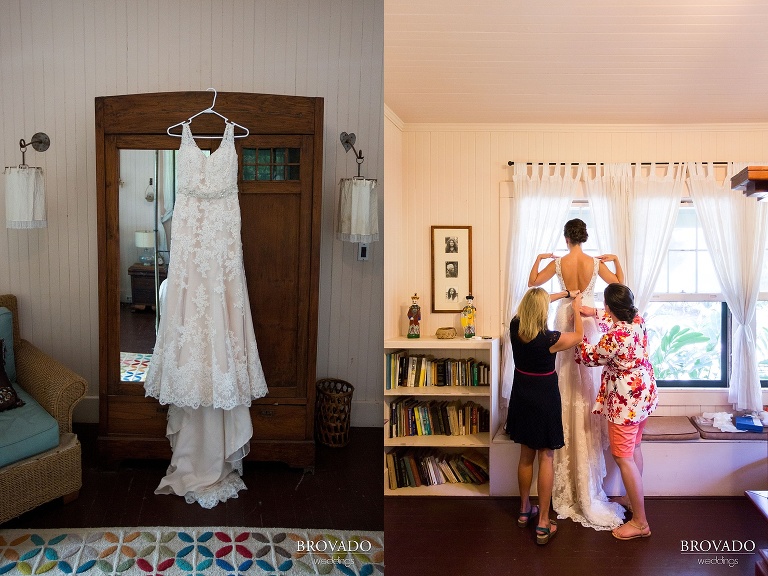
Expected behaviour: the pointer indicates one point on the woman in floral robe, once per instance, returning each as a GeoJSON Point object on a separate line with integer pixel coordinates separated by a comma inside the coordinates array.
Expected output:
{"type": "Point", "coordinates": [627, 393]}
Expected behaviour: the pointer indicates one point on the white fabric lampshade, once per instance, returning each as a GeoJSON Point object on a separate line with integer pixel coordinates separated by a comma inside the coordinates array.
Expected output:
{"type": "Point", "coordinates": [25, 197]}
{"type": "Point", "coordinates": [358, 210]}
{"type": "Point", "coordinates": [145, 239]}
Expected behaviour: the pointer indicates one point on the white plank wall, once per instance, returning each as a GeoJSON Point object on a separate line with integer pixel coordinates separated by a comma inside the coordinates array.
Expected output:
{"type": "Point", "coordinates": [136, 168]}
{"type": "Point", "coordinates": [56, 56]}
{"type": "Point", "coordinates": [450, 174]}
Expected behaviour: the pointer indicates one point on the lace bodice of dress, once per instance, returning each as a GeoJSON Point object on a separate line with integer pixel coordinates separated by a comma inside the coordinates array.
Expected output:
{"type": "Point", "coordinates": [563, 311]}
{"type": "Point", "coordinates": [205, 353]}
{"type": "Point", "coordinates": [202, 176]}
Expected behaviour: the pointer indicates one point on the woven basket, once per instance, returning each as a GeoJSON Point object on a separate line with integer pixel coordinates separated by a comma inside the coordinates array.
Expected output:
{"type": "Point", "coordinates": [446, 333]}
{"type": "Point", "coordinates": [333, 406]}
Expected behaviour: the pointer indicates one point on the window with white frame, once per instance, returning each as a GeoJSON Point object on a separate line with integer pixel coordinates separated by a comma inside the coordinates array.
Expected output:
{"type": "Point", "coordinates": [687, 317]}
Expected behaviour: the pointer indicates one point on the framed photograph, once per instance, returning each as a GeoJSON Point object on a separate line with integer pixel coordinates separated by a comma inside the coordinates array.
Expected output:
{"type": "Point", "coordinates": [451, 267]}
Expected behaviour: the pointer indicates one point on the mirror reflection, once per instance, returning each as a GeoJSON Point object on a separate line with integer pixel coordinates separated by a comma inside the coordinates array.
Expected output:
{"type": "Point", "coordinates": [147, 195]}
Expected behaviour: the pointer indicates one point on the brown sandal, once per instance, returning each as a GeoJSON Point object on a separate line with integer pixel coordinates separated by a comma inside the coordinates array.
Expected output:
{"type": "Point", "coordinates": [642, 528]}
{"type": "Point", "coordinates": [544, 535]}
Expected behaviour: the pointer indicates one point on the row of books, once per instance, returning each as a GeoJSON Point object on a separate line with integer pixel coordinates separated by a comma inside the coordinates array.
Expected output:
{"type": "Point", "coordinates": [428, 467]}
{"type": "Point", "coordinates": [409, 416]}
{"type": "Point", "coordinates": [414, 370]}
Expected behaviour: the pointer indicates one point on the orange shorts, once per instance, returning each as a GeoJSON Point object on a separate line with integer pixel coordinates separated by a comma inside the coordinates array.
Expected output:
{"type": "Point", "coordinates": [623, 439]}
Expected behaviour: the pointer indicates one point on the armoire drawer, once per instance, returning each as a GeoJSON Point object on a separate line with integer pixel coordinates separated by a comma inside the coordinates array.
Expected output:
{"type": "Point", "coordinates": [278, 421]}
{"type": "Point", "coordinates": [139, 416]}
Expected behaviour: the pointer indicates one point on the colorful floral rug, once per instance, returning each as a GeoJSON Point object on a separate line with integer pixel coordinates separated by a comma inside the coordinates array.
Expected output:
{"type": "Point", "coordinates": [133, 366]}
{"type": "Point", "coordinates": [163, 551]}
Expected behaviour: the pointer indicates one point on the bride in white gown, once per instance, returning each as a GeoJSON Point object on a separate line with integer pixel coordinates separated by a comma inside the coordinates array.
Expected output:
{"type": "Point", "coordinates": [580, 466]}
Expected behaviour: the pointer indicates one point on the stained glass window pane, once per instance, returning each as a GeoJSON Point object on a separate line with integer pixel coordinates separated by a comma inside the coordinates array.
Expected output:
{"type": "Point", "coordinates": [249, 172]}
{"type": "Point", "coordinates": [263, 173]}
{"type": "Point", "coordinates": [265, 164]}
{"type": "Point", "coordinates": [265, 155]}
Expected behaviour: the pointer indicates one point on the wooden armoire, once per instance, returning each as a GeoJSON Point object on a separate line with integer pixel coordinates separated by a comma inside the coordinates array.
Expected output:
{"type": "Point", "coordinates": [280, 191]}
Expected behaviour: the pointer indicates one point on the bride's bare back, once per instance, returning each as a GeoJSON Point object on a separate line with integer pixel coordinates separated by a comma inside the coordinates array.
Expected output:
{"type": "Point", "coordinates": [577, 270]}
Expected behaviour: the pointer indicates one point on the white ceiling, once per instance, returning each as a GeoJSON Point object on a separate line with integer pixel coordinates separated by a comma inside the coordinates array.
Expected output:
{"type": "Point", "coordinates": [577, 61]}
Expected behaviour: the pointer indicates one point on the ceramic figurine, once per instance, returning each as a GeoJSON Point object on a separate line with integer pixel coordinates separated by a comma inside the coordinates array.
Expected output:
{"type": "Point", "coordinates": [468, 317]}
{"type": "Point", "coordinates": [414, 317]}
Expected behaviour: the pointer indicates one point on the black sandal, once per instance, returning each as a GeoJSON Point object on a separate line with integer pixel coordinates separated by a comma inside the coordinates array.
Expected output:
{"type": "Point", "coordinates": [525, 517]}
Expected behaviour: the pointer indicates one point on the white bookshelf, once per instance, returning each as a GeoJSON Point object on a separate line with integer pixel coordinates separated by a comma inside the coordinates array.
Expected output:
{"type": "Point", "coordinates": [481, 349]}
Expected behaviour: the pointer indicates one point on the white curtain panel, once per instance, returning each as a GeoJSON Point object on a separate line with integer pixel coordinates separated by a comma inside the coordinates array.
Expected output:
{"type": "Point", "coordinates": [635, 210]}
{"type": "Point", "coordinates": [735, 232]}
{"type": "Point", "coordinates": [609, 199]}
{"type": "Point", "coordinates": [539, 210]}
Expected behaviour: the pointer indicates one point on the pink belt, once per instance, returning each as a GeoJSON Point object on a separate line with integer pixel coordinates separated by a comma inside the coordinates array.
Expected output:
{"type": "Point", "coordinates": [535, 374]}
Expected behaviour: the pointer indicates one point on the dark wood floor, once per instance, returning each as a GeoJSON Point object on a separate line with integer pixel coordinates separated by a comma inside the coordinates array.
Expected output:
{"type": "Point", "coordinates": [479, 537]}
{"type": "Point", "coordinates": [344, 493]}
{"type": "Point", "coordinates": [137, 329]}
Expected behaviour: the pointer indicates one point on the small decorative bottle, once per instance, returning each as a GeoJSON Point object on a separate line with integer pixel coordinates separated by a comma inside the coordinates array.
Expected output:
{"type": "Point", "coordinates": [468, 317]}
{"type": "Point", "coordinates": [414, 317]}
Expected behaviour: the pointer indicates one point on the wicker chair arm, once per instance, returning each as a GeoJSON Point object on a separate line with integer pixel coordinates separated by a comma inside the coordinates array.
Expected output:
{"type": "Point", "coordinates": [57, 388]}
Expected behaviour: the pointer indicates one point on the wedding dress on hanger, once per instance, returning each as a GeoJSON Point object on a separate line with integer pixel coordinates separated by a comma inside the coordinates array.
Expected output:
{"type": "Point", "coordinates": [206, 364]}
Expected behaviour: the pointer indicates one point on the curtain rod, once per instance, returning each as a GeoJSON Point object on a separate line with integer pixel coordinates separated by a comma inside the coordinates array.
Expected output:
{"type": "Point", "coordinates": [511, 163]}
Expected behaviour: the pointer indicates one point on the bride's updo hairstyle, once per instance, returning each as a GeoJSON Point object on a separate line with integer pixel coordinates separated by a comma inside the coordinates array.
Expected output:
{"type": "Point", "coordinates": [621, 301]}
{"type": "Point", "coordinates": [575, 231]}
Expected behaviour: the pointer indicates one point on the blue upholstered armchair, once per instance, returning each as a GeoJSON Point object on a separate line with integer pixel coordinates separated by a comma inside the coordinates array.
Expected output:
{"type": "Point", "coordinates": [39, 455]}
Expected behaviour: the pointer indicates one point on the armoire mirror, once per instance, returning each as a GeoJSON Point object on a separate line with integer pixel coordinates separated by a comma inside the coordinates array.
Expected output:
{"type": "Point", "coordinates": [147, 193]}
{"type": "Point", "coordinates": [280, 190]}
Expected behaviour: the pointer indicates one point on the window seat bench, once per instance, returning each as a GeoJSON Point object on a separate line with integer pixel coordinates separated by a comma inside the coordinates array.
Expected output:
{"type": "Point", "coordinates": [678, 461]}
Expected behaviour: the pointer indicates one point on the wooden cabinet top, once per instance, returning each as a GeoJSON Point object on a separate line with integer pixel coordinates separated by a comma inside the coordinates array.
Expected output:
{"type": "Point", "coordinates": [140, 269]}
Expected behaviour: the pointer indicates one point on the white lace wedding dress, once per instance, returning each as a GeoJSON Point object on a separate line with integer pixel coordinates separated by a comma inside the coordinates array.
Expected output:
{"type": "Point", "coordinates": [205, 363]}
{"type": "Point", "coordinates": [580, 466]}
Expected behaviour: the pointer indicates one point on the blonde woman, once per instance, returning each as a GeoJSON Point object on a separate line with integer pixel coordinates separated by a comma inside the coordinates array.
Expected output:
{"type": "Point", "coordinates": [534, 419]}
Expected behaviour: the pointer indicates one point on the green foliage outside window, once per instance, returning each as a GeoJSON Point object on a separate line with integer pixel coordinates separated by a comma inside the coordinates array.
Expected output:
{"type": "Point", "coordinates": [679, 356]}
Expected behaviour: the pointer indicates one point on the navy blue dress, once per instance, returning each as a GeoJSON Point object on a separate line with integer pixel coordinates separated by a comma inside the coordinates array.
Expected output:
{"type": "Point", "coordinates": [535, 416]}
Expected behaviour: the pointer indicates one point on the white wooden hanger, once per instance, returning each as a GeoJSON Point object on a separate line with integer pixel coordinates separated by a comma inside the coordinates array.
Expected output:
{"type": "Point", "coordinates": [209, 110]}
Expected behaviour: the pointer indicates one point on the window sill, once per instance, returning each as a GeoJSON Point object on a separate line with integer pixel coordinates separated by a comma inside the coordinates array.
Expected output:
{"type": "Point", "coordinates": [701, 396]}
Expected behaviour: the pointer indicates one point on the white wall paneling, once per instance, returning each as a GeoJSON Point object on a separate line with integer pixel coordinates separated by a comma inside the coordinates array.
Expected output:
{"type": "Point", "coordinates": [56, 57]}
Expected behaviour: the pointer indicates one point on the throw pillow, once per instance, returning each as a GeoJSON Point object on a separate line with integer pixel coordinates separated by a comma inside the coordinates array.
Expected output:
{"type": "Point", "coordinates": [8, 397]}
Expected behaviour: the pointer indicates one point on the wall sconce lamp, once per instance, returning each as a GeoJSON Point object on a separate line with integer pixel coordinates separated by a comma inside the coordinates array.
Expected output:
{"type": "Point", "coordinates": [149, 192]}
{"type": "Point", "coordinates": [358, 219]}
{"type": "Point", "coordinates": [753, 181]}
{"type": "Point", "coordinates": [25, 189]}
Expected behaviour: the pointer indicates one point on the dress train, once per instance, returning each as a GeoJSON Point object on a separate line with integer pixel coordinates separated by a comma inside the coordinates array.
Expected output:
{"type": "Point", "coordinates": [199, 437]}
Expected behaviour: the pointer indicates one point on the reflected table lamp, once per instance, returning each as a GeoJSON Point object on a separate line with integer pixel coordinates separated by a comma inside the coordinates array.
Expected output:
{"type": "Point", "coordinates": [146, 239]}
